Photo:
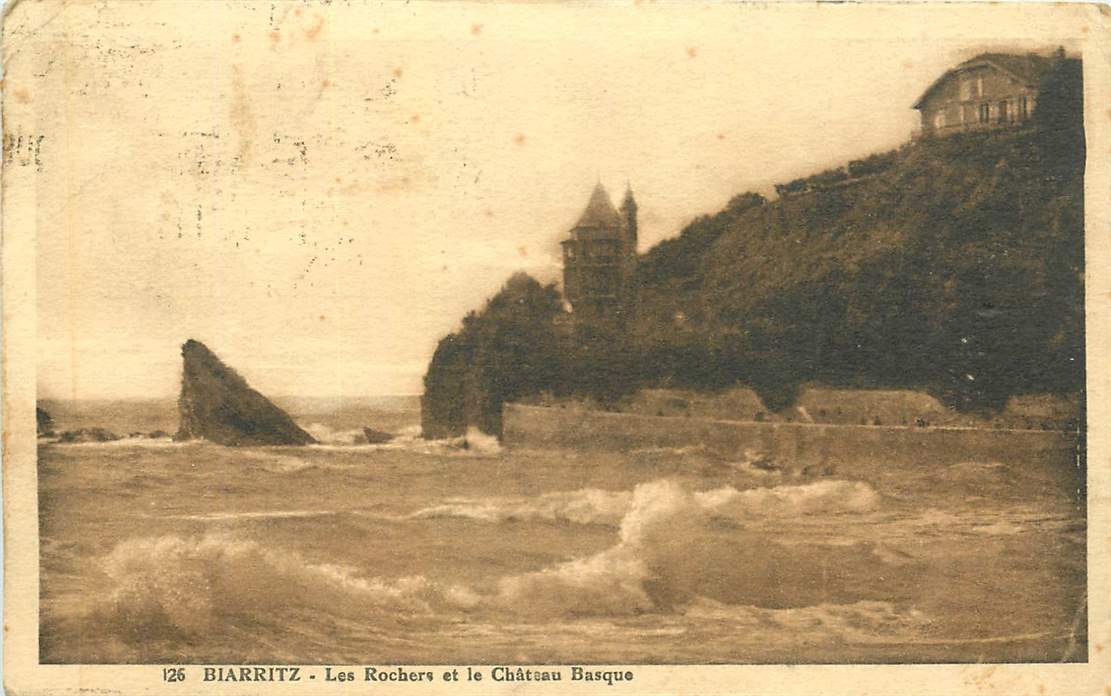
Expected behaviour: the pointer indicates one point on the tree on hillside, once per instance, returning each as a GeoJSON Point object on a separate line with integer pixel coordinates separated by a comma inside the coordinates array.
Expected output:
{"type": "Point", "coordinates": [682, 256]}
{"type": "Point", "coordinates": [1059, 118]}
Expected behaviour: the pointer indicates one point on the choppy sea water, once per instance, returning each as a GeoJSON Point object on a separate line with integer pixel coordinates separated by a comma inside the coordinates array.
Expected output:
{"type": "Point", "coordinates": [423, 552]}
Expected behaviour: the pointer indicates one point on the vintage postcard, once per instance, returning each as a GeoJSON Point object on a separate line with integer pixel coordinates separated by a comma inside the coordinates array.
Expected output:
{"type": "Point", "coordinates": [491, 347]}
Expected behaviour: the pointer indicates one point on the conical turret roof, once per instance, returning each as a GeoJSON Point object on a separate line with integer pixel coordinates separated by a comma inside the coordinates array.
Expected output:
{"type": "Point", "coordinates": [599, 211]}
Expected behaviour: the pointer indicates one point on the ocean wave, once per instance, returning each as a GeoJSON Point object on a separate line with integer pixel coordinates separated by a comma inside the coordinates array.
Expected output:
{"type": "Point", "coordinates": [978, 468]}
{"type": "Point", "coordinates": [596, 506]}
{"type": "Point", "coordinates": [474, 443]}
{"type": "Point", "coordinates": [863, 622]}
{"type": "Point", "coordinates": [253, 515]}
{"type": "Point", "coordinates": [325, 434]}
{"type": "Point", "coordinates": [833, 496]}
{"type": "Point", "coordinates": [672, 550]}
{"type": "Point", "coordinates": [668, 451]}
{"type": "Point", "coordinates": [170, 586]}
{"type": "Point", "coordinates": [585, 506]}
{"type": "Point", "coordinates": [278, 463]}
{"type": "Point", "coordinates": [672, 553]}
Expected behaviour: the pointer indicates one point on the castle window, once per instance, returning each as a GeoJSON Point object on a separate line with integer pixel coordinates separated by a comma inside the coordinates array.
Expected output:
{"type": "Point", "coordinates": [1023, 109]}
{"type": "Point", "coordinates": [985, 113]}
{"type": "Point", "coordinates": [1002, 112]}
{"type": "Point", "coordinates": [980, 86]}
{"type": "Point", "coordinates": [939, 120]}
{"type": "Point", "coordinates": [966, 89]}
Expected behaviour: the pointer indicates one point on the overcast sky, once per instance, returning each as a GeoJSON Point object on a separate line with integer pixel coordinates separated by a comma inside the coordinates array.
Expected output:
{"type": "Point", "coordinates": [320, 192]}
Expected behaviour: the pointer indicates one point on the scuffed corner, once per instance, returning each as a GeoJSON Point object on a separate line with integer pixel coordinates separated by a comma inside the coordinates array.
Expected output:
{"type": "Point", "coordinates": [1098, 15]}
{"type": "Point", "coordinates": [52, 9]}
{"type": "Point", "coordinates": [6, 9]}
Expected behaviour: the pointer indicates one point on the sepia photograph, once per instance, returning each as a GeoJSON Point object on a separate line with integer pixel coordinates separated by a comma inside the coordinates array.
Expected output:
{"type": "Point", "coordinates": [544, 338]}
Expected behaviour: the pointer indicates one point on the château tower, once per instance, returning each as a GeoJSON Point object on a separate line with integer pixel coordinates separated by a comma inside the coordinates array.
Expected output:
{"type": "Point", "coordinates": [629, 215]}
{"type": "Point", "coordinates": [599, 261]}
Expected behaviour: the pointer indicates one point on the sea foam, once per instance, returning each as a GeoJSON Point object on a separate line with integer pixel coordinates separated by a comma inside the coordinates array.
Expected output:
{"type": "Point", "coordinates": [174, 585]}
{"type": "Point", "coordinates": [672, 550]}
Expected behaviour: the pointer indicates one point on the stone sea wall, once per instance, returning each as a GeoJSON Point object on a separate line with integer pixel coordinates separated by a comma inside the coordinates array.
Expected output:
{"type": "Point", "coordinates": [801, 444]}
{"type": "Point", "coordinates": [835, 407]}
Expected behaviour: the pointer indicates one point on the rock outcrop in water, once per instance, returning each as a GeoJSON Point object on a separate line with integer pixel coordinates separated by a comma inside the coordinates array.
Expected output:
{"type": "Point", "coordinates": [44, 423]}
{"type": "Point", "coordinates": [88, 435]}
{"type": "Point", "coordinates": [376, 437]}
{"type": "Point", "coordinates": [217, 404]}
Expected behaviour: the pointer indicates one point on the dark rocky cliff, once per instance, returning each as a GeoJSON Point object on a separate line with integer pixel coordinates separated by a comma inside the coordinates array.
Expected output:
{"type": "Point", "coordinates": [217, 404]}
{"type": "Point", "coordinates": [952, 266]}
{"type": "Point", "coordinates": [504, 352]}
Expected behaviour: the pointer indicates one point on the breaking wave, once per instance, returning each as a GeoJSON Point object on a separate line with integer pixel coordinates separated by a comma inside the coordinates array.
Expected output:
{"type": "Point", "coordinates": [324, 434]}
{"type": "Point", "coordinates": [596, 506]}
{"type": "Point", "coordinates": [677, 551]}
{"type": "Point", "coordinates": [676, 546]}
{"type": "Point", "coordinates": [820, 497]}
{"type": "Point", "coordinates": [175, 586]}
{"type": "Point", "coordinates": [586, 506]}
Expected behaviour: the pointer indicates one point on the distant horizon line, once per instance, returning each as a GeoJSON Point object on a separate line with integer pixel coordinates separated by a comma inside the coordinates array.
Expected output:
{"type": "Point", "coordinates": [280, 396]}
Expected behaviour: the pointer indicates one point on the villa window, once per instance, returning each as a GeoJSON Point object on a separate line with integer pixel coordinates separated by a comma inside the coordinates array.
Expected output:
{"type": "Point", "coordinates": [966, 89]}
{"type": "Point", "coordinates": [985, 113]}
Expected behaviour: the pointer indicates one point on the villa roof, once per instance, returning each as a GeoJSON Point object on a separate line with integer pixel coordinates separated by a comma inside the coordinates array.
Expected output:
{"type": "Point", "coordinates": [1026, 68]}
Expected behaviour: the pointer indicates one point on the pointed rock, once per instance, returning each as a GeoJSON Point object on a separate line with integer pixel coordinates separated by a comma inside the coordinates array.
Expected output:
{"type": "Point", "coordinates": [376, 437]}
{"type": "Point", "coordinates": [216, 404]}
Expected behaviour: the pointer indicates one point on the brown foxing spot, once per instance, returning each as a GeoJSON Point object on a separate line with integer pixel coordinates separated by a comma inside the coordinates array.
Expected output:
{"type": "Point", "coordinates": [326, 83]}
{"type": "Point", "coordinates": [314, 31]}
{"type": "Point", "coordinates": [235, 38]}
{"type": "Point", "coordinates": [519, 139]}
{"type": "Point", "coordinates": [415, 118]}
{"type": "Point", "coordinates": [489, 213]}
{"type": "Point", "coordinates": [22, 95]}
{"type": "Point", "coordinates": [721, 136]}
{"type": "Point", "coordinates": [275, 36]}
{"type": "Point", "coordinates": [692, 51]}
{"type": "Point", "coordinates": [476, 29]}
{"type": "Point", "coordinates": [397, 72]}
{"type": "Point", "coordinates": [523, 251]}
